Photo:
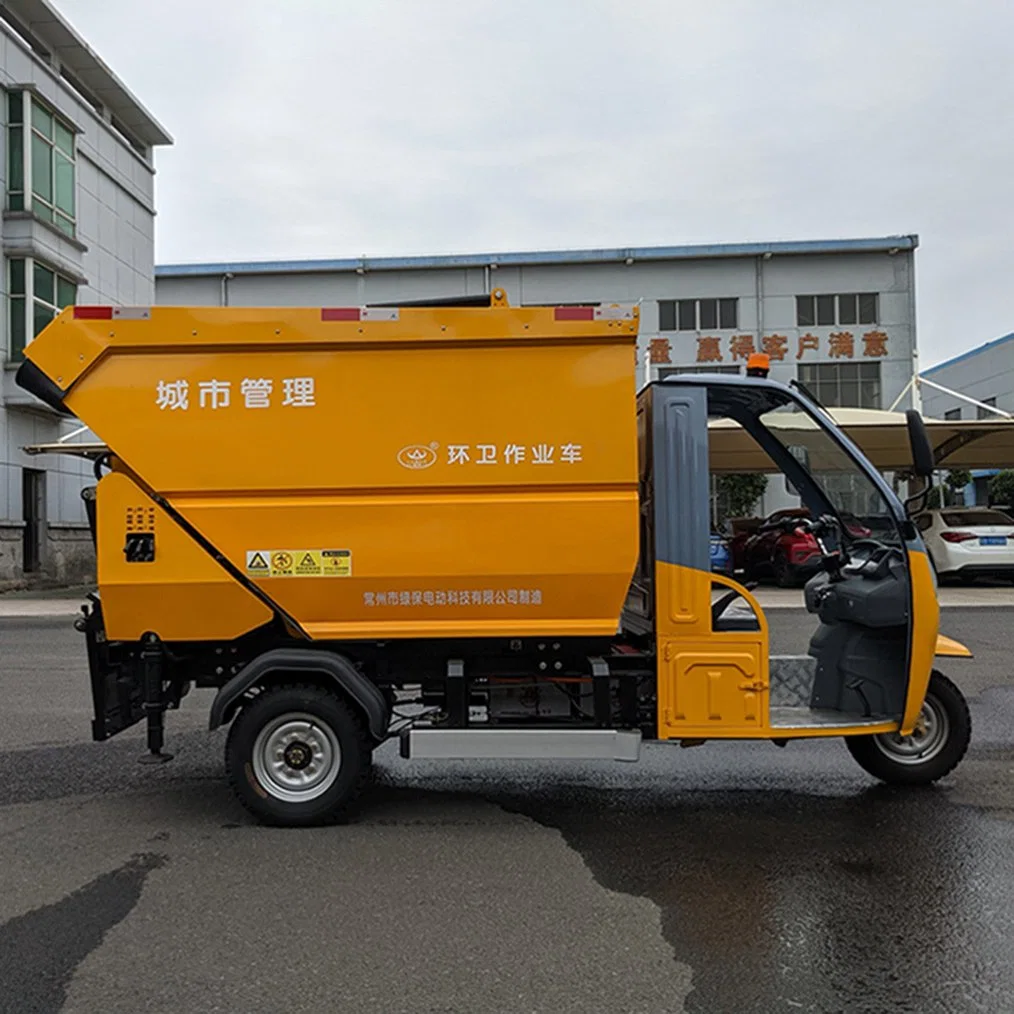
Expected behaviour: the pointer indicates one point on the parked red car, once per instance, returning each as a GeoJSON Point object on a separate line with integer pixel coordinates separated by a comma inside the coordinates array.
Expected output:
{"type": "Point", "coordinates": [776, 549]}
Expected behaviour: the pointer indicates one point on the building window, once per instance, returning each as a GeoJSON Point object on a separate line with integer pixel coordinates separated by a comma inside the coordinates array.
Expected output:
{"type": "Point", "coordinates": [41, 169]}
{"type": "Point", "coordinates": [37, 295]}
{"type": "Point", "coordinates": [952, 414]}
{"type": "Point", "coordinates": [673, 371]}
{"type": "Point", "coordinates": [826, 311]}
{"type": "Point", "coordinates": [843, 385]}
{"type": "Point", "coordinates": [698, 314]}
{"type": "Point", "coordinates": [982, 413]}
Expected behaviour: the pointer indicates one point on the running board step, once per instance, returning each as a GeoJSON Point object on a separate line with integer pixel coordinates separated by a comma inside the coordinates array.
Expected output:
{"type": "Point", "coordinates": [521, 744]}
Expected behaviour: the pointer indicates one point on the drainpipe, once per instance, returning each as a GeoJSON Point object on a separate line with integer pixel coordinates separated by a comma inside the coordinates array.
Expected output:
{"type": "Point", "coordinates": [225, 287]}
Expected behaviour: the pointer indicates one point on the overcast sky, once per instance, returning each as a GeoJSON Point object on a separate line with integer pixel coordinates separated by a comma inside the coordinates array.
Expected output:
{"type": "Point", "coordinates": [332, 128]}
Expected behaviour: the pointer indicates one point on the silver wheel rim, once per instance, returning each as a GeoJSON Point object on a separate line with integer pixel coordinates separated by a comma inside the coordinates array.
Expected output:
{"type": "Point", "coordinates": [296, 757]}
{"type": "Point", "coordinates": [932, 730]}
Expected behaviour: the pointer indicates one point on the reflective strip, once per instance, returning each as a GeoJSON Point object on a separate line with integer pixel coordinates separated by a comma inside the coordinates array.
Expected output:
{"type": "Point", "coordinates": [618, 311]}
{"type": "Point", "coordinates": [131, 313]}
{"type": "Point", "coordinates": [359, 313]}
{"type": "Point", "coordinates": [93, 313]}
{"type": "Point", "coordinates": [574, 313]}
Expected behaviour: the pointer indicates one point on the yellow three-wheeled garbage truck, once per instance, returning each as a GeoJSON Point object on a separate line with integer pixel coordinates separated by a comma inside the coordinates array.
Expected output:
{"type": "Point", "coordinates": [462, 526]}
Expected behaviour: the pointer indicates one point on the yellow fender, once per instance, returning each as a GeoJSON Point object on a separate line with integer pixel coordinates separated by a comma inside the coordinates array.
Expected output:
{"type": "Point", "coordinates": [954, 649]}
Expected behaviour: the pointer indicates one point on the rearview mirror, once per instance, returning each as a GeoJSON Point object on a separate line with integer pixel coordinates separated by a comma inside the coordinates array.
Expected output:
{"type": "Point", "coordinates": [922, 452]}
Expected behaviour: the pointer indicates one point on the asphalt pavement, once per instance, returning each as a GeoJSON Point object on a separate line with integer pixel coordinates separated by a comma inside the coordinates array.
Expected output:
{"type": "Point", "coordinates": [725, 878]}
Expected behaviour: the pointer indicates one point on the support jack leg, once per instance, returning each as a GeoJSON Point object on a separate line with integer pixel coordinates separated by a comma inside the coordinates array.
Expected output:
{"type": "Point", "coordinates": [154, 705]}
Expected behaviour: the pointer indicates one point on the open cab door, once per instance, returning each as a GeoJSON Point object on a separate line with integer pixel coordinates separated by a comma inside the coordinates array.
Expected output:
{"type": "Point", "coordinates": [865, 670]}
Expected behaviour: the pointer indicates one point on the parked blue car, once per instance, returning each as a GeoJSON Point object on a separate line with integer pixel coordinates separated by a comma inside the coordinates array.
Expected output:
{"type": "Point", "coordinates": [721, 558]}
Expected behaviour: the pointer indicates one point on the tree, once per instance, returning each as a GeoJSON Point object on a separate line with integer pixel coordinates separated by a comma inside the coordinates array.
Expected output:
{"type": "Point", "coordinates": [738, 493]}
{"type": "Point", "coordinates": [955, 481]}
{"type": "Point", "coordinates": [1001, 488]}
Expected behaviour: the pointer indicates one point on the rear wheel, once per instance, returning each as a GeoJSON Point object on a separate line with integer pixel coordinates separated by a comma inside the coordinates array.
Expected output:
{"type": "Point", "coordinates": [937, 744]}
{"type": "Point", "coordinates": [784, 577]}
{"type": "Point", "coordinates": [297, 756]}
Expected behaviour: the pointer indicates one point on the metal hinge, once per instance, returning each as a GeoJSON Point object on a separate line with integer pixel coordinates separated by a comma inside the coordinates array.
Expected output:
{"type": "Point", "coordinates": [755, 685]}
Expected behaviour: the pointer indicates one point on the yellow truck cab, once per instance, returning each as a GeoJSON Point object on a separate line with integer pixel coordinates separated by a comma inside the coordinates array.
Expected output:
{"type": "Point", "coordinates": [462, 527]}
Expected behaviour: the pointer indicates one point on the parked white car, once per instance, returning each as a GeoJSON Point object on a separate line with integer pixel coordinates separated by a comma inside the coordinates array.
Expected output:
{"type": "Point", "coordinates": [969, 542]}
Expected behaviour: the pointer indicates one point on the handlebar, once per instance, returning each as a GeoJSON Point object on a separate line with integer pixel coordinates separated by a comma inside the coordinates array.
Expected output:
{"type": "Point", "coordinates": [832, 559]}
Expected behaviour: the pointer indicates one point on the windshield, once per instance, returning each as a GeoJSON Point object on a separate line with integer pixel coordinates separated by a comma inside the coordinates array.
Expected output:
{"type": "Point", "coordinates": [822, 472]}
{"type": "Point", "coordinates": [969, 519]}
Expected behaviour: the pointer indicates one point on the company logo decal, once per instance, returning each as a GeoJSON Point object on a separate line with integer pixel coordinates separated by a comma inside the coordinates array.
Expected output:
{"type": "Point", "coordinates": [417, 456]}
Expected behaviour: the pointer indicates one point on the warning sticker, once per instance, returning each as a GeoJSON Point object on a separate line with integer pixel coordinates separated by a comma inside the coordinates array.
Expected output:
{"type": "Point", "coordinates": [257, 562]}
{"type": "Point", "coordinates": [299, 562]}
{"type": "Point", "coordinates": [336, 562]}
{"type": "Point", "coordinates": [308, 563]}
{"type": "Point", "coordinates": [281, 563]}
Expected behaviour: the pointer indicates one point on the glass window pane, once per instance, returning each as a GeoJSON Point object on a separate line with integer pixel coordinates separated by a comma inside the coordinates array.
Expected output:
{"type": "Point", "coordinates": [709, 314]}
{"type": "Point", "coordinates": [64, 139]}
{"type": "Point", "coordinates": [868, 308]}
{"type": "Point", "coordinates": [42, 210]}
{"type": "Point", "coordinates": [66, 292]}
{"type": "Point", "coordinates": [847, 309]}
{"type": "Point", "coordinates": [42, 169]}
{"type": "Point", "coordinates": [850, 393]}
{"type": "Point", "coordinates": [825, 310]}
{"type": "Point", "coordinates": [64, 224]}
{"type": "Point", "coordinates": [688, 314]}
{"type": "Point", "coordinates": [804, 311]}
{"type": "Point", "coordinates": [45, 283]}
{"type": "Point", "coordinates": [16, 158]}
{"type": "Point", "coordinates": [728, 313]}
{"type": "Point", "coordinates": [17, 324]}
{"type": "Point", "coordinates": [14, 107]}
{"type": "Point", "coordinates": [952, 413]}
{"type": "Point", "coordinates": [667, 315]}
{"type": "Point", "coordinates": [41, 317]}
{"type": "Point", "coordinates": [17, 276]}
{"type": "Point", "coordinates": [42, 120]}
{"type": "Point", "coordinates": [869, 389]}
{"type": "Point", "coordinates": [65, 184]}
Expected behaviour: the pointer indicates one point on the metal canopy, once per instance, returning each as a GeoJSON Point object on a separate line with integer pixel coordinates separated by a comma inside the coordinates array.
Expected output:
{"type": "Point", "coordinates": [90, 451]}
{"type": "Point", "coordinates": [882, 436]}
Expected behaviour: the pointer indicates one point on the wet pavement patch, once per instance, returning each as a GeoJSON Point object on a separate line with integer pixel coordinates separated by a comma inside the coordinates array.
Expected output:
{"type": "Point", "coordinates": [877, 901]}
{"type": "Point", "coordinates": [40, 950]}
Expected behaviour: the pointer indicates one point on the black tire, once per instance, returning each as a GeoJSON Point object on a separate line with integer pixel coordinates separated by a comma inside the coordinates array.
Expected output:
{"type": "Point", "coordinates": [783, 575]}
{"type": "Point", "coordinates": [898, 761]}
{"type": "Point", "coordinates": [322, 769]}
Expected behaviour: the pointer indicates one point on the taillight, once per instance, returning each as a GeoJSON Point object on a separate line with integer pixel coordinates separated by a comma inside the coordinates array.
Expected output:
{"type": "Point", "coordinates": [957, 536]}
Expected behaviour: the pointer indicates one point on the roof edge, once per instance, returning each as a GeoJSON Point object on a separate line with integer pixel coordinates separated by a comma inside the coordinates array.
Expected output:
{"type": "Point", "coordinates": [40, 24]}
{"type": "Point", "coordinates": [883, 244]}
{"type": "Point", "coordinates": [967, 355]}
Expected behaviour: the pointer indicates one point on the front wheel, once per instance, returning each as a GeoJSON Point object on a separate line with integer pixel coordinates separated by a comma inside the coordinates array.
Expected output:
{"type": "Point", "coordinates": [937, 743]}
{"type": "Point", "coordinates": [297, 756]}
{"type": "Point", "coordinates": [784, 577]}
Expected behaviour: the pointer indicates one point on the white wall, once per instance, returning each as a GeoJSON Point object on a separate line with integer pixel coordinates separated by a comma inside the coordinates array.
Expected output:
{"type": "Point", "coordinates": [113, 252]}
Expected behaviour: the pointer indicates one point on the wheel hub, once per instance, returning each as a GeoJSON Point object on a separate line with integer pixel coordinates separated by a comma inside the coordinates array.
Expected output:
{"type": "Point", "coordinates": [929, 736]}
{"type": "Point", "coordinates": [296, 757]}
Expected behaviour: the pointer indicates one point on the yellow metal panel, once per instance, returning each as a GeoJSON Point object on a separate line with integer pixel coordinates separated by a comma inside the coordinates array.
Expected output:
{"type": "Point", "coordinates": [448, 451]}
{"type": "Point", "coordinates": [925, 629]}
{"type": "Point", "coordinates": [709, 684]}
{"type": "Point", "coordinates": [529, 562]}
{"type": "Point", "coordinates": [183, 595]}
{"type": "Point", "coordinates": [948, 646]}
